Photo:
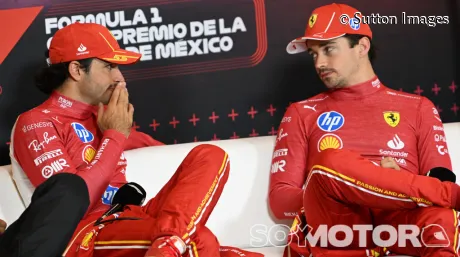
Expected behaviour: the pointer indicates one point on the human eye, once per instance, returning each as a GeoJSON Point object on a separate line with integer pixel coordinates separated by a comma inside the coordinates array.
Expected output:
{"type": "Point", "coordinates": [328, 49]}
{"type": "Point", "coordinates": [111, 66]}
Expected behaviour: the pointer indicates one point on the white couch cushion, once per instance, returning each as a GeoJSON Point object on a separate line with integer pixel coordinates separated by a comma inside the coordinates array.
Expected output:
{"type": "Point", "coordinates": [452, 131]}
{"type": "Point", "coordinates": [11, 205]}
{"type": "Point", "coordinates": [269, 251]}
{"type": "Point", "coordinates": [241, 217]}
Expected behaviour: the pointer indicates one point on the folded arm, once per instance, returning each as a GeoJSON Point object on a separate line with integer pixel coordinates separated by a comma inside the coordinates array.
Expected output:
{"type": "Point", "coordinates": [288, 170]}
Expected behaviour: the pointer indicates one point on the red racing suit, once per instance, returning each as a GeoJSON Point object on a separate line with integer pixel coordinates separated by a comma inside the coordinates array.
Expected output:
{"type": "Point", "coordinates": [61, 135]}
{"type": "Point", "coordinates": [365, 123]}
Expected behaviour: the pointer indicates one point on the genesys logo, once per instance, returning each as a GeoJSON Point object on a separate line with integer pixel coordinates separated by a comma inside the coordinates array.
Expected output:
{"type": "Point", "coordinates": [33, 126]}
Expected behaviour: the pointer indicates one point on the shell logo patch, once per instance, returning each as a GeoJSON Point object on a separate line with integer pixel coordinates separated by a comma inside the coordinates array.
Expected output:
{"type": "Point", "coordinates": [88, 153]}
{"type": "Point", "coordinates": [329, 141]}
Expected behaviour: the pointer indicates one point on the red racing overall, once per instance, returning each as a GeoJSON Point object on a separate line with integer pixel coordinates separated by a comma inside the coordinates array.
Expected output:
{"type": "Point", "coordinates": [326, 160]}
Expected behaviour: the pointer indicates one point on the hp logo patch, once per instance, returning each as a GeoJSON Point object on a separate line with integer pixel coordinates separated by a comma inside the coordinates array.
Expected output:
{"type": "Point", "coordinates": [330, 121]}
{"type": "Point", "coordinates": [354, 23]}
{"type": "Point", "coordinates": [108, 195]}
{"type": "Point", "coordinates": [85, 135]}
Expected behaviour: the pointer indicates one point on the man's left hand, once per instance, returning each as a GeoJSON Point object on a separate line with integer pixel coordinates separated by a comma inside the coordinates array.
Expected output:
{"type": "Point", "coordinates": [390, 163]}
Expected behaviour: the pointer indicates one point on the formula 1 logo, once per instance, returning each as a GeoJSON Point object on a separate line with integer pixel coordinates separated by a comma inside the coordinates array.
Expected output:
{"type": "Point", "coordinates": [85, 135]}
{"type": "Point", "coordinates": [330, 121]}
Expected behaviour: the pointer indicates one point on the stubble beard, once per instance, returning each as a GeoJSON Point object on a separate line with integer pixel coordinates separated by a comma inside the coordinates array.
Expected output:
{"type": "Point", "coordinates": [334, 83]}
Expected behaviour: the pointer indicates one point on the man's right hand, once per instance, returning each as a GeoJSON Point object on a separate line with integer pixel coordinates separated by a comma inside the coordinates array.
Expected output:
{"type": "Point", "coordinates": [2, 226]}
{"type": "Point", "coordinates": [119, 112]}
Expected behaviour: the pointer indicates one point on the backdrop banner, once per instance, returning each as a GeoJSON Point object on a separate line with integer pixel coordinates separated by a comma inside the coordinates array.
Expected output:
{"type": "Point", "coordinates": [218, 69]}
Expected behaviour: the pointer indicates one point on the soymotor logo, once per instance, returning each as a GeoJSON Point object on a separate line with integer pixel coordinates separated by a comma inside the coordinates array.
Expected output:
{"type": "Point", "coordinates": [432, 235]}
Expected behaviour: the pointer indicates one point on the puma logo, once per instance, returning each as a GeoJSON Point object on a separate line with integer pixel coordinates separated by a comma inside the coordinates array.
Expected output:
{"type": "Point", "coordinates": [309, 107]}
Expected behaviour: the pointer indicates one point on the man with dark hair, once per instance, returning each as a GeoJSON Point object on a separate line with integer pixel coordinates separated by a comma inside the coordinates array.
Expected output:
{"type": "Point", "coordinates": [360, 153]}
{"type": "Point", "coordinates": [53, 76]}
{"type": "Point", "coordinates": [354, 39]}
{"type": "Point", "coordinates": [83, 129]}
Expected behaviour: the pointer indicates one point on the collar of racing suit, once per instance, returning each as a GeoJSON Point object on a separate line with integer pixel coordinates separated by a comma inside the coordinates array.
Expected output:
{"type": "Point", "coordinates": [357, 91]}
{"type": "Point", "coordinates": [70, 105]}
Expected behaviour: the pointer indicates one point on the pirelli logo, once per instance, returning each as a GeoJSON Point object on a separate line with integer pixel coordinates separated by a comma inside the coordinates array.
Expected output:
{"type": "Point", "coordinates": [47, 156]}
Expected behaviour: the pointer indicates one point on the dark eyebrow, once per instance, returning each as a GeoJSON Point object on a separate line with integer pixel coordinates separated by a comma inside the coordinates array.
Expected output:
{"type": "Point", "coordinates": [327, 43]}
{"type": "Point", "coordinates": [323, 44]}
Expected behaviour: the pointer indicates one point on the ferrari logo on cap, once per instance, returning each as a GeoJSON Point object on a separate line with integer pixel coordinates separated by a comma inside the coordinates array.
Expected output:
{"type": "Point", "coordinates": [392, 118]}
{"type": "Point", "coordinates": [312, 20]}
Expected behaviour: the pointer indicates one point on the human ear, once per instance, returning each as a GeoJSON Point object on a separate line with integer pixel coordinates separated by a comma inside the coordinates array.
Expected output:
{"type": "Point", "coordinates": [364, 45]}
{"type": "Point", "coordinates": [75, 71]}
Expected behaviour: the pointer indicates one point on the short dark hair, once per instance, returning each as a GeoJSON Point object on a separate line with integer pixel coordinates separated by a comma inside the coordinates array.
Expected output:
{"type": "Point", "coordinates": [52, 76]}
{"type": "Point", "coordinates": [354, 39]}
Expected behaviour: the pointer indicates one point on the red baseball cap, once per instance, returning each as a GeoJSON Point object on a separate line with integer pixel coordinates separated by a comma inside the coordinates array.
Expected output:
{"type": "Point", "coordinates": [329, 22]}
{"type": "Point", "coordinates": [88, 40]}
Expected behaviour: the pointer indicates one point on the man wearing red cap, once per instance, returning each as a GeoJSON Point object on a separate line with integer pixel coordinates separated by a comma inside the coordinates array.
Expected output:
{"type": "Point", "coordinates": [84, 127]}
{"type": "Point", "coordinates": [360, 153]}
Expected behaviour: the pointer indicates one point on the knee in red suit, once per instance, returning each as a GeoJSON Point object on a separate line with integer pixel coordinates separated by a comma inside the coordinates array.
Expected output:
{"type": "Point", "coordinates": [322, 162]}
{"type": "Point", "coordinates": [207, 155]}
{"type": "Point", "coordinates": [334, 163]}
{"type": "Point", "coordinates": [207, 151]}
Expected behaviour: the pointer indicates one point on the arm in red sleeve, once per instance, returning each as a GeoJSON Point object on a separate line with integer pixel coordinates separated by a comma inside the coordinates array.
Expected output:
{"type": "Point", "coordinates": [287, 174]}
{"type": "Point", "coordinates": [431, 140]}
{"type": "Point", "coordinates": [42, 152]}
{"type": "Point", "coordinates": [138, 140]}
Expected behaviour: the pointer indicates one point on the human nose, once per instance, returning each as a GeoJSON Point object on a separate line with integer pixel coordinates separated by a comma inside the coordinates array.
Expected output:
{"type": "Point", "coordinates": [321, 61]}
{"type": "Point", "coordinates": [117, 75]}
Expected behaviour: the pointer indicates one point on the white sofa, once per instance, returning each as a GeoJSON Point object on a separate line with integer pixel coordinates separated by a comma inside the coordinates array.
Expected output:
{"type": "Point", "coordinates": [242, 217]}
